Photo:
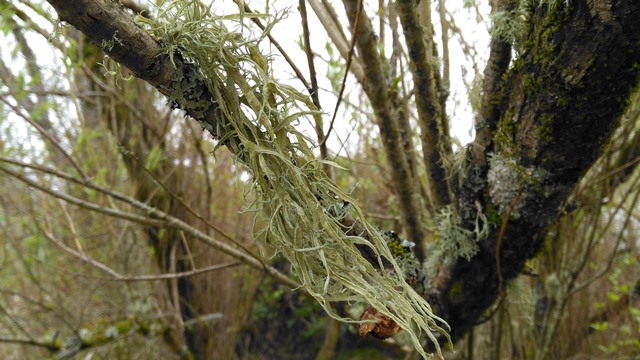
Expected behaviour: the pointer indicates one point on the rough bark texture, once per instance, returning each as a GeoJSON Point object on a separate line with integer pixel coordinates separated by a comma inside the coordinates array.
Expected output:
{"type": "Point", "coordinates": [434, 144]}
{"type": "Point", "coordinates": [562, 100]}
{"type": "Point", "coordinates": [112, 28]}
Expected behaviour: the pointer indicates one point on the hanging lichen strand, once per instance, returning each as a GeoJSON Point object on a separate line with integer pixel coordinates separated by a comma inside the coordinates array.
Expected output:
{"type": "Point", "coordinates": [298, 208]}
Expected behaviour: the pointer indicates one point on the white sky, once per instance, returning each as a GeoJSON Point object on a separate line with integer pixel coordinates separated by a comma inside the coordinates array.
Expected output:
{"type": "Point", "coordinates": [289, 31]}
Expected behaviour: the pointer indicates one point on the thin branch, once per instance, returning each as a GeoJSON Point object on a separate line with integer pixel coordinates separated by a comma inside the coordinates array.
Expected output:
{"type": "Point", "coordinates": [244, 7]}
{"type": "Point", "coordinates": [31, 25]}
{"type": "Point", "coordinates": [82, 203]}
{"type": "Point", "coordinates": [503, 228]}
{"type": "Point", "coordinates": [377, 89]}
{"type": "Point", "coordinates": [444, 28]}
{"type": "Point", "coordinates": [435, 145]}
{"type": "Point", "coordinates": [346, 72]}
{"type": "Point", "coordinates": [164, 220]}
{"type": "Point", "coordinates": [189, 209]}
{"type": "Point", "coordinates": [333, 29]}
{"type": "Point", "coordinates": [50, 138]}
{"type": "Point", "coordinates": [468, 50]}
{"type": "Point", "coordinates": [24, 341]}
{"type": "Point", "coordinates": [322, 138]}
{"type": "Point", "coordinates": [401, 99]}
{"type": "Point", "coordinates": [497, 66]}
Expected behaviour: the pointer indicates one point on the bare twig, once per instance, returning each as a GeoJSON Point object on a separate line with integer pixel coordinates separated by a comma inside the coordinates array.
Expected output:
{"type": "Point", "coordinates": [497, 65]}
{"type": "Point", "coordinates": [24, 341]}
{"type": "Point", "coordinates": [346, 72]}
{"type": "Point", "coordinates": [192, 211]}
{"type": "Point", "coordinates": [244, 7]}
{"type": "Point", "coordinates": [444, 28]}
{"type": "Point", "coordinates": [82, 203]}
{"type": "Point", "coordinates": [503, 228]}
{"type": "Point", "coordinates": [377, 89]}
{"type": "Point", "coordinates": [48, 136]}
{"type": "Point", "coordinates": [324, 13]}
{"type": "Point", "coordinates": [163, 219]}
{"type": "Point", "coordinates": [322, 138]}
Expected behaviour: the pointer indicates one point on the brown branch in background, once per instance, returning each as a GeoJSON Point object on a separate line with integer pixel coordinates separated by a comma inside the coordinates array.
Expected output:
{"type": "Point", "coordinates": [79, 202]}
{"type": "Point", "coordinates": [33, 26]}
{"type": "Point", "coordinates": [503, 228]}
{"type": "Point", "coordinates": [51, 346]}
{"type": "Point", "coordinates": [435, 145]}
{"type": "Point", "coordinates": [189, 209]}
{"type": "Point", "coordinates": [322, 138]}
{"type": "Point", "coordinates": [198, 142]}
{"type": "Point", "coordinates": [444, 27]}
{"type": "Point", "coordinates": [376, 87]}
{"type": "Point", "coordinates": [346, 71]}
{"type": "Point", "coordinates": [173, 285]}
{"type": "Point", "coordinates": [326, 14]}
{"type": "Point", "coordinates": [136, 8]}
{"type": "Point", "coordinates": [469, 51]}
{"type": "Point", "coordinates": [160, 219]}
{"type": "Point", "coordinates": [401, 100]}
{"type": "Point", "coordinates": [119, 277]}
{"type": "Point", "coordinates": [313, 90]}
{"type": "Point", "coordinates": [45, 134]}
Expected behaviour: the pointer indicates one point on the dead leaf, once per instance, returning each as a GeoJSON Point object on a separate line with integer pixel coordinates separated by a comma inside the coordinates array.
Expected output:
{"type": "Point", "coordinates": [382, 328]}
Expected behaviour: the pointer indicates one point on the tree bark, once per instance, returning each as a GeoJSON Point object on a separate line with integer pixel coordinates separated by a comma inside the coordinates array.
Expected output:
{"type": "Point", "coordinates": [562, 100]}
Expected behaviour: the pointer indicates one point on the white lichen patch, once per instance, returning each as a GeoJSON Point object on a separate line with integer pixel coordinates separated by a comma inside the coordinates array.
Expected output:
{"type": "Point", "coordinates": [507, 179]}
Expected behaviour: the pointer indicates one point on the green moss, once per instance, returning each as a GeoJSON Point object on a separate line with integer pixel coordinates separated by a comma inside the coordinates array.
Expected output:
{"type": "Point", "coordinates": [398, 250]}
{"type": "Point", "coordinates": [455, 292]}
{"type": "Point", "coordinates": [545, 130]}
{"type": "Point", "coordinates": [493, 214]}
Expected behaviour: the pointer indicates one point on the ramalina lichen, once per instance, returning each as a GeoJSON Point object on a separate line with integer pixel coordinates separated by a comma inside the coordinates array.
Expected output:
{"type": "Point", "coordinates": [293, 196]}
{"type": "Point", "coordinates": [454, 240]}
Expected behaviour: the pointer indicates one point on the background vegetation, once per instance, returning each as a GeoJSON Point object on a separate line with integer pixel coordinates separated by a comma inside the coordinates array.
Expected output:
{"type": "Point", "coordinates": [127, 230]}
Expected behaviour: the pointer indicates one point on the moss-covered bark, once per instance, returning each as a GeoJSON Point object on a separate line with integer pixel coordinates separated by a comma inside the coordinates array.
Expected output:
{"type": "Point", "coordinates": [562, 100]}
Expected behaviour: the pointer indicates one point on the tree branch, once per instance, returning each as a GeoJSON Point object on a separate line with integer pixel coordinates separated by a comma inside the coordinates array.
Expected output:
{"type": "Point", "coordinates": [163, 219]}
{"type": "Point", "coordinates": [377, 89]}
{"type": "Point", "coordinates": [497, 65]}
{"type": "Point", "coordinates": [430, 113]}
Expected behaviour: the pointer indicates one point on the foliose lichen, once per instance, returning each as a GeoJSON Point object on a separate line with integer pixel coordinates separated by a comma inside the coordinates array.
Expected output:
{"type": "Point", "coordinates": [507, 179]}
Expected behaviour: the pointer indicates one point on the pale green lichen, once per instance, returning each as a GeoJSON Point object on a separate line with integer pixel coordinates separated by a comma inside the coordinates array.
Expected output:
{"type": "Point", "coordinates": [294, 201]}
{"type": "Point", "coordinates": [507, 179]}
{"type": "Point", "coordinates": [454, 239]}
{"type": "Point", "coordinates": [508, 26]}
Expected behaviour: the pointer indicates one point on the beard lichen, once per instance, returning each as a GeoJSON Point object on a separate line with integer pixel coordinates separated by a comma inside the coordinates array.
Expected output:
{"type": "Point", "coordinates": [293, 197]}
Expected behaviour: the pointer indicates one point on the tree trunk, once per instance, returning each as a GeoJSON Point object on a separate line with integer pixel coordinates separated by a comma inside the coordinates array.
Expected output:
{"type": "Point", "coordinates": [561, 101]}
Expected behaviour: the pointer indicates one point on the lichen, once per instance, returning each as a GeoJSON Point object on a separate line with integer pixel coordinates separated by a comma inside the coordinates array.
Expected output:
{"type": "Point", "coordinates": [454, 239]}
{"type": "Point", "coordinates": [298, 209]}
{"type": "Point", "coordinates": [507, 179]}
